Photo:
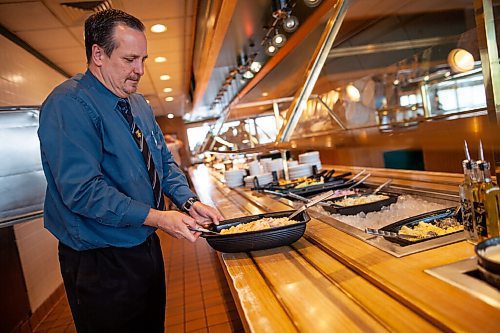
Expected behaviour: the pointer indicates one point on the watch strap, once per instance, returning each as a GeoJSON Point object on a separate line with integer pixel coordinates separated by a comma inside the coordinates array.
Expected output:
{"type": "Point", "coordinates": [189, 204]}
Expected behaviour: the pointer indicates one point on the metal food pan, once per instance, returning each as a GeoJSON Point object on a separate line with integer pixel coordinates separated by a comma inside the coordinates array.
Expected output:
{"type": "Point", "coordinates": [257, 240]}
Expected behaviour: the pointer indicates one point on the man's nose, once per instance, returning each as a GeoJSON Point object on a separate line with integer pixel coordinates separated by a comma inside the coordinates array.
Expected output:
{"type": "Point", "coordinates": [139, 68]}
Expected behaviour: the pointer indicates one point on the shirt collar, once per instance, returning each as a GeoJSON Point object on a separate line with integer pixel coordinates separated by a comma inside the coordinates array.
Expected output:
{"type": "Point", "coordinates": [107, 97]}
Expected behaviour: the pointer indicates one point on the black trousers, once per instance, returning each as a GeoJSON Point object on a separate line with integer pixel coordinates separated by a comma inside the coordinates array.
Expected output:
{"type": "Point", "coordinates": [116, 289]}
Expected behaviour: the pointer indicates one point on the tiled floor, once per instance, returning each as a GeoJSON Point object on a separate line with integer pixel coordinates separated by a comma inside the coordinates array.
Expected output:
{"type": "Point", "coordinates": [198, 297]}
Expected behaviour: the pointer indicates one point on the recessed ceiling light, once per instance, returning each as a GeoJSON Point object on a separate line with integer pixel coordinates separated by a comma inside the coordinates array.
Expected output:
{"type": "Point", "coordinates": [265, 94]}
{"type": "Point", "coordinates": [170, 115]}
{"type": "Point", "coordinates": [147, 101]}
{"type": "Point", "coordinates": [160, 59]}
{"type": "Point", "coordinates": [158, 28]}
{"type": "Point", "coordinates": [167, 90]}
{"type": "Point", "coordinates": [169, 99]}
{"type": "Point", "coordinates": [165, 77]}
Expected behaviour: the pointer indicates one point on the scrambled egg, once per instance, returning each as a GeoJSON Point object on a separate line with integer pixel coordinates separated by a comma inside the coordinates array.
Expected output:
{"type": "Point", "coordinates": [264, 223]}
{"type": "Point", "coordinates": [426, 230]}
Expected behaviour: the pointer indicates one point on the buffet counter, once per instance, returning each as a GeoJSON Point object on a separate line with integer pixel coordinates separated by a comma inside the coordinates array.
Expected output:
{"type": "Point", "coordinates": [331, 281]}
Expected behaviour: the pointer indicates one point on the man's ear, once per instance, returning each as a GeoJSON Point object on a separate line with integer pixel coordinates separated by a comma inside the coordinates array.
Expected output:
{"type": "Point", "coordinates": [97, 55]}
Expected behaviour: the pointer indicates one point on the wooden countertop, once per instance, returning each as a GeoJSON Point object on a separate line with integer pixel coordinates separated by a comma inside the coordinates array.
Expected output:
{"type": "Point", "coordinates": [330, 281]}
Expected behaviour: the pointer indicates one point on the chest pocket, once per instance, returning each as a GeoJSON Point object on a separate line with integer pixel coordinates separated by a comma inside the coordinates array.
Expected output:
{"type": "Point", "coordinates": [154, 139]}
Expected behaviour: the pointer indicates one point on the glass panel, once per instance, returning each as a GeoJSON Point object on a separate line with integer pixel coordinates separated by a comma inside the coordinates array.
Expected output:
{"type": "Point", "coordinates": [395, 64]}
{"type": "Point", "coordinates": [22, 182]}
{"type": "Point", "coordinates": [196, 136]}
{"type": "Point", "coordinates": [266, 129]}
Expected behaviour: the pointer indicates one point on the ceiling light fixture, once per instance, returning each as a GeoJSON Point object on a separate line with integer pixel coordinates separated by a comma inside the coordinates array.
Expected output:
{"type": "Point", "coordinates": [312, 3]}
{"type": "Point", "coordinates": [158, 28]}
{"type": "Point", "coordinates": [165, 77]}
{"type": "Point", "coordinates": [460, 60]}
{"type": "Point", "coordinates": [169, 99]}
{"type": "Point", "coordinates": [352, 93]}
{"type": "Point", "coordinates": [248, 74]}
{"type": "Point", "coordinates": [255, 66]}
{"type": "Point", "coordinates": [290, 24]}
{"type": "Point", "coordinates": [160, 59]}
{"type": "Point", "coordinates": [170, 116]}
{"type": "Point", "coordinates": [167, 90]}
{"type": "Point", "coordinates": [265, 94]}
{"type": "Point", "coordinates": [279, 39]}
{"type": "Point", "coordinates": [271, 50]}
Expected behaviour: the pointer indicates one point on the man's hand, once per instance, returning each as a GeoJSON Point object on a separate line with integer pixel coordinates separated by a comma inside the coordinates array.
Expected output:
{"type": "Point", "coordinates": [173, 223]}
{"type": "Point", "coordinates": [205, 215]}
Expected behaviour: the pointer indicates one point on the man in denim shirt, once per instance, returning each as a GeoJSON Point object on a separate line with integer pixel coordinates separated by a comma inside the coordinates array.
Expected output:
{"type": "Point", "coordinates": [107, 167]}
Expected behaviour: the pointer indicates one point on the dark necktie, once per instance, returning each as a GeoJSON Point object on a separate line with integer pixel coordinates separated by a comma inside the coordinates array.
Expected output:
{"type": "Point", "coordinates": [124, 107]}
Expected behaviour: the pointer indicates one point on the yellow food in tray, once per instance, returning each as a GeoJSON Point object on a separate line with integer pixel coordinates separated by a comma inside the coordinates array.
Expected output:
{"type": "Point", "coordinates": [264, 223]}
{"type": "Point", "coordinates": [301, 182]}
{"type": "Point", "coordinates": [361, 200]}
{"type": "Point", "coordinates": [426, 230]}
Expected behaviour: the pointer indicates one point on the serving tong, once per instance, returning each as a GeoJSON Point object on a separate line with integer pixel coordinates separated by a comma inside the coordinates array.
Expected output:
{"type": "Point", "coordinates": [311, 203]}
{"type": "Point", "coordinates": [203, 230]}
{"type": "Point", "coordinates": [381, 186]}
{"type": "Point", "coordinates": [390, 234]}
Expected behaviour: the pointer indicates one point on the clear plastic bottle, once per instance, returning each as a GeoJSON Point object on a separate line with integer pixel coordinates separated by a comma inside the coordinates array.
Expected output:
{"type": "Point", "coordinates": [466, 200]}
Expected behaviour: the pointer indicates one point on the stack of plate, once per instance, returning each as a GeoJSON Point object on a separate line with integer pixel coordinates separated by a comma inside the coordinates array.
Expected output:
{"type": "Point", "coordinates": [275, 165]}
{"type": "Point", "coordinates": [263, 179]}
{"type": "Point", "coordinates": [255, 168]}
{"type": "Point", "coordinates": [234, 178]}
{"type": "Point", "coordinates": [311, 158]}
{"type": "Point", "coordinates": [301, 170]}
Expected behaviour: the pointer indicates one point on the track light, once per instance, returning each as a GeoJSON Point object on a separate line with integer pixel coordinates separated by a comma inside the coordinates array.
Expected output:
{"type": "Point", "coordinates": [255, 66]}
{"type": "Point", "coordinates": [279, 39]}
{"type": "Point", "coordinates": [352, 93]}
{"type": "Point", "coordinates": [248, 74]}
{"type": "Point", "coordinates": [271, 49]}
{"type": "Point", "coordinates": [290, 24]}
{"type": "Point", "coordinates": [312, 3]}
{"type": "Point", "coordinates": [460, 60]}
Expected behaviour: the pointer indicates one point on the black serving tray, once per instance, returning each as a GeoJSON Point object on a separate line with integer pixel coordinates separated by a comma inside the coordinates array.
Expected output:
{"type": "Point", "coordinates": [257, 240]}
{"type": "Point", "coordinates": [366, 208]}
{"type": "Point", "coordinates": [331, 182]}
{"type": "Point", "coordinates": [429, 217]}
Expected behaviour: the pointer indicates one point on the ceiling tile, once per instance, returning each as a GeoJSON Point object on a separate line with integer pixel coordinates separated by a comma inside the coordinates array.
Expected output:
{"type": "Point", "coordinates": [49, 38]}
{"type": "Point", "coordinates": [74, 68]}
{"type": "Point", "coordinates": [78, 33]}
{"type": "Point", "coordinates": [166, 45]}
{"type": "Point", "coordinates": [154, 9]}
{"type": "Point", "coordinates": [27, 16]}
{"type": "Point", "coordinates": [61, 56]}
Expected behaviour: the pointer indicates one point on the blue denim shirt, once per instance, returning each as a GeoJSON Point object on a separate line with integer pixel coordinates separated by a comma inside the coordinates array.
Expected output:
{"type": "Point", "coordinates": [98, 188]}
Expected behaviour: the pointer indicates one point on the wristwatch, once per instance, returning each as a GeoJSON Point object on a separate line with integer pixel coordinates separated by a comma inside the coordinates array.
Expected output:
{"type": "Point", "coordinates": [189, 203]}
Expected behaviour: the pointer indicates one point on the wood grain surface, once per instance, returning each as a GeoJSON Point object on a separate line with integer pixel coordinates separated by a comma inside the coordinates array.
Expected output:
{"type": "Point", "coordinates": [329, 281]}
